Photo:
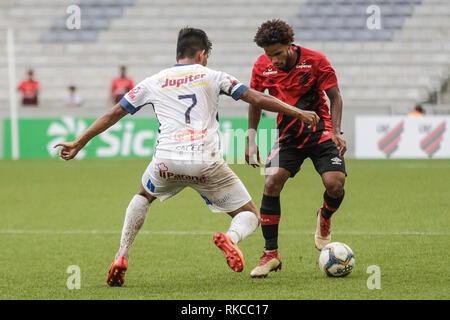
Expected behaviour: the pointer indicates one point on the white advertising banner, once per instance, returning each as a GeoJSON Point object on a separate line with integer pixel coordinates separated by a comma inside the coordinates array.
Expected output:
{"type": "Point", "coordinates": [397, 137]}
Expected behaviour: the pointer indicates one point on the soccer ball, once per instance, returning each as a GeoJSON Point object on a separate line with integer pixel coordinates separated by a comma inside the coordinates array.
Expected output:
{"type": "Point", "coordinates": [336, 260]}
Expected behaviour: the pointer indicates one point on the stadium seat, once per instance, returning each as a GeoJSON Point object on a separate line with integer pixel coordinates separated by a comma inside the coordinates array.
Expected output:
{"type": "Point", "coordinates": [96, 15]}
{"type": "Point", "coordinates": [410, 49]}
{"type": "Point", "coordinates": [355, 22]}
{"type": "Point", "coordinates": [394, 22]}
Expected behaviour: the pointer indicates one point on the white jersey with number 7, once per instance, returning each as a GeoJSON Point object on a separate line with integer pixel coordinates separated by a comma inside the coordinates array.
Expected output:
{"type": "Point", "coordinates": [185, 99]}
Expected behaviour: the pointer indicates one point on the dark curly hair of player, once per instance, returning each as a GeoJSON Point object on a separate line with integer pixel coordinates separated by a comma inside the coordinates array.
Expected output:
{"type": "Point", "coordinates": [272, 32]}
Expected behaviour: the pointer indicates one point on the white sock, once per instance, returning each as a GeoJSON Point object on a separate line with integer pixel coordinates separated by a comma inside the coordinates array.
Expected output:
{"type": "Point", "coordinates": [134, 219]}
{"type": "Point", "coordinates": [242, 225]}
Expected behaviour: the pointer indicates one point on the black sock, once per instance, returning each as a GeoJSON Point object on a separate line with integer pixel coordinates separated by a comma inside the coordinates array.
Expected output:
{"type": "Point", "coordinates": [270, 218]}
{"type": "Point", "coordinates": [330, 205]}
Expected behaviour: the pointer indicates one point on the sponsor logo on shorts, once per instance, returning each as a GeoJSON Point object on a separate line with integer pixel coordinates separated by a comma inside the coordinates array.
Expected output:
{"type": "Point", "coordinates": [166, 174]}
{"type": "Point", "coordinates": [336, 160]}
{"type": "Point", "coordinates": [162, 167]}
{"type": "Point", "coordinates": [222, 200]}
{"type": "Point", "coordinates": [189, 135]}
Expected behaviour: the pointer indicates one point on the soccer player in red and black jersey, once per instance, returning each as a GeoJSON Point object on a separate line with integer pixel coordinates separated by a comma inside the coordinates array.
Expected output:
{"type": "Point", "coordinates": [300, 77]}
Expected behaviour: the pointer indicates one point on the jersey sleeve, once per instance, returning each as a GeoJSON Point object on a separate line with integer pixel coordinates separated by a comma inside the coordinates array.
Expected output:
{"type": "Point", "coordinates": [256, 81]}
{"type": "Point", "coordinates": [136, 98]}
{"type": "Point", "coordinates": [230, 86]}
{"type": "Point", "coordinates": [326, 77]}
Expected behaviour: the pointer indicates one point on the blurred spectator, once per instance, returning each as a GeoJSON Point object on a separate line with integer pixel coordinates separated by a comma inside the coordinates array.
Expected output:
{"type": "Point", "coordinates": [72, 98]}
{"type": "Point", "coordinates": [30, 90]}
{"type": "Point", "coordinates": [120, 86]}
{"type": "Point", "coordinates": [418, 112]}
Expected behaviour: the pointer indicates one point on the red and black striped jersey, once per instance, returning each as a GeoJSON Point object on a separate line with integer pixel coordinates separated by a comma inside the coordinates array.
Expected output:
{"type": "Point", "coordinates": [303, 87]}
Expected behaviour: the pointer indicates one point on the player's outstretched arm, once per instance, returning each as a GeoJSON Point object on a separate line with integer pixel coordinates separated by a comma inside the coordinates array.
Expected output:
{"type": "Point", "coordinates": [335, 97]}
{"type": "Point", "coordinates": [258, 101]}
{"type": "Point", "coordinates": [269, 103]}
{"type": "Point", "coordinates": [70, 149]}
{"type": "Point", "coordinates": [251, 149]}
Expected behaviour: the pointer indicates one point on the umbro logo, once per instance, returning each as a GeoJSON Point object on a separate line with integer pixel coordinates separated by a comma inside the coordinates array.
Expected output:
{"type": "Point", "coordinates": [336, 160]}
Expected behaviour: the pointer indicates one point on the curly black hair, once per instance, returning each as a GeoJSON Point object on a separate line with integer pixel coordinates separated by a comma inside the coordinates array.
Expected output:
{"type": "Point", "coordinates": [272, 32]}
{"type": "Point", "coordinates": [192, 40]}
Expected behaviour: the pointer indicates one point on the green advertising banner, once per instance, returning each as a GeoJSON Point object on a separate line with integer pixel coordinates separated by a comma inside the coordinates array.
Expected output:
{"type": "Point", "coordinates": [129, 138]}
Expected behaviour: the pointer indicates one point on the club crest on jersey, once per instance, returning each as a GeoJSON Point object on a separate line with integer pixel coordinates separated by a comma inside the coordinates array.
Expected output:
{"type": "Point", "coordinates": [177, 82]}
{"type": "Point", "coordinates": [270, 71]}
{"type": "Point", "coordinates": [184, 135]}
{"type": "Point", "coordinates": [303, 65]}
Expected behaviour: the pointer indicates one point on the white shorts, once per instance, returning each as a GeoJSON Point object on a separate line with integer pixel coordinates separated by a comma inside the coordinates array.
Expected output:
{"type": "Point", "coordinates": [218, 185]}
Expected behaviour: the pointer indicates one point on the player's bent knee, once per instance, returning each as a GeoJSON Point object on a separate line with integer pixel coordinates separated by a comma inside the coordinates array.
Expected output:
{"type": "Point", "coordinates": [275, 182]}
{"type": "Point", "coordinates": [335, 189]}
{"type": "Point", "coordinates": [145, 194]}
{"type": "Point", "coordinates": [334, 183]}
{"type": "Point", "coordinates": [249, 206]}
{"type": "Point", "coordinates": [273, 187]}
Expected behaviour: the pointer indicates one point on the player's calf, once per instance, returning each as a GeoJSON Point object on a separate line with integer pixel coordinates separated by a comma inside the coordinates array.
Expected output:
{"type": "Point", "coordinates": [243, 224]}
{"type": "Point", "coordinates": [322, 236]}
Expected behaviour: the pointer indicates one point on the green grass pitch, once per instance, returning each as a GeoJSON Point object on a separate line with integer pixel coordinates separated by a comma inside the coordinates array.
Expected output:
{"type": "Point", "coordinates": [54, 214]}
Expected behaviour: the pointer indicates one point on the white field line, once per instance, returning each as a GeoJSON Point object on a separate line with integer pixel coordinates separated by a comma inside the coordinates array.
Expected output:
{"type": "Point", "coordinates": [195, 233]}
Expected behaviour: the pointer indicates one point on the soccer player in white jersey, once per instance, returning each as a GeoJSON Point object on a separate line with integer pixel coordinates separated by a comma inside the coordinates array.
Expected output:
{"type": "Point", "coordinates": [185, 100]}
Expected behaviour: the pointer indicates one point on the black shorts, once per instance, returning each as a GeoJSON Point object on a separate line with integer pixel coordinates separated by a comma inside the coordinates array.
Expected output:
{"type": "Point", "coordinates": [325, 157]}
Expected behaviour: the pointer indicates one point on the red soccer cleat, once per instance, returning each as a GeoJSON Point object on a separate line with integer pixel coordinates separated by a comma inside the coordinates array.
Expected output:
{"type": "Point", "coordinates": [116, 274]}
{"type": "Point", "coordinates": [235, 259]}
